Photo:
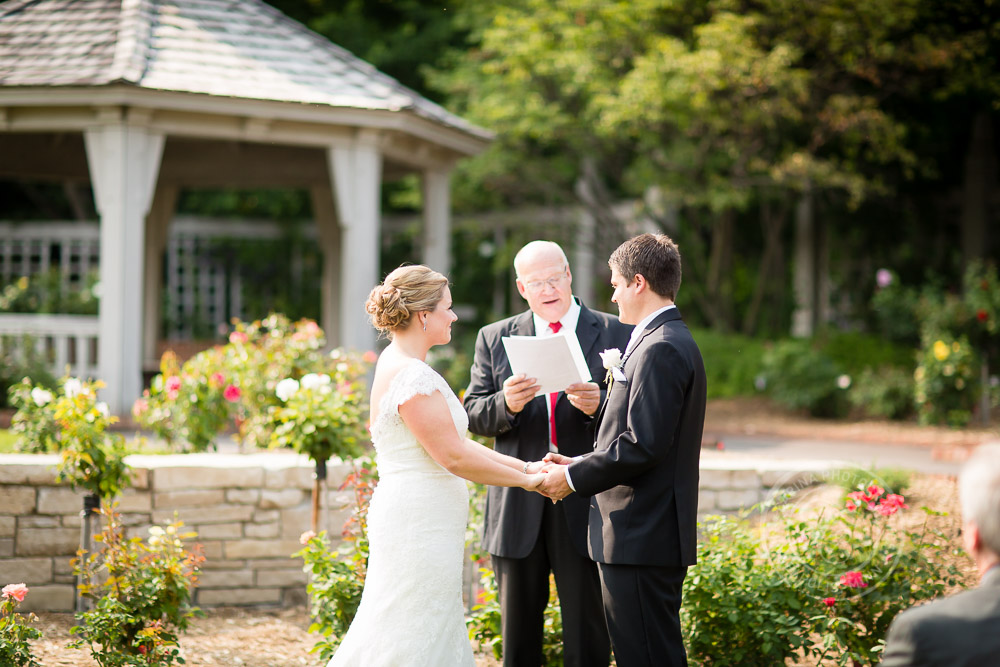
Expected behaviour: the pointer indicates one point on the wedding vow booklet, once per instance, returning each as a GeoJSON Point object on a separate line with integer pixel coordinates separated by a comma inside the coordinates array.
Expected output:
{"type": "Point", "coordinates": [556, 361]}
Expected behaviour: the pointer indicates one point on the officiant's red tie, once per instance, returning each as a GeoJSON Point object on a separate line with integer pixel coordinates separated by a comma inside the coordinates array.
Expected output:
{"type": "Point", "coordinates": [553, 397]}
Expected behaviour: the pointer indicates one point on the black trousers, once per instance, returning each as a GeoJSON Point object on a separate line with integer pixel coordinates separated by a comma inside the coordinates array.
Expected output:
{"type": "Point", "coordinates": [642, 605]}
{"type": "Point", "coordinates": [523, 585]}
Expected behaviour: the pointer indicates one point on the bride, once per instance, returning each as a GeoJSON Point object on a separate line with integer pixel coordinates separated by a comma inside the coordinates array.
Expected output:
{"type": "Point", "coordinates": [411, 611]}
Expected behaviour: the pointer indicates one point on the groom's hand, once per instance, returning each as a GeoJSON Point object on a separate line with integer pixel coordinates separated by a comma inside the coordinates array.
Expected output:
{"type": "Point", "coordinates": [557, 458]}
{"type": "Point", "coordinates": [584, 396]}
{"type": "Point", "coordinates": [554, 485]}
{"type": "Point", "coordinates": [518, 390]}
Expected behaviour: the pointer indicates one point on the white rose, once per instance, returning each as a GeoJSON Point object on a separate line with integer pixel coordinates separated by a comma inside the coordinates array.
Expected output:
{"type": "Point", "coordinates": [286, 388]}
{"type": "Point", "coordinates": [312, 381]}
{"type": "Point", "coordinates": [611, 358]}
{"type": "Point", "coordinates": [72, 387]}
{"type": "Point", "coordinates": [102, 407]}
{"type": "Point", "coordinates": [41, 396]}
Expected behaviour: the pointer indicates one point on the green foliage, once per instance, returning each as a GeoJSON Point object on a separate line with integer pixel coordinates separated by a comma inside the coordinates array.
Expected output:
{"type": "Point", "coordinates": [73, 424]}
{"type": "Point", "coordinates": [885, 392]}
{"type": "Point", "coordinates": [732, 362]}
{"type": "Point", "coordinates": [26, 363]}
{"type": "Point", "coordinates": [823, 586]}
{"type": "Point", "coordinates": [894, 308]}
{"type": "Point", "coordinates": [946, 378]}
{"type": "Point", "coordinates": [854, 352]}
{"type": "Point", "coordinates": [337, 578]}
{"type": "Point", "coordinates": [142, 594]}
{"type": "Point", "coordinates": [893, 480]}
{"type": "Point", "coordinates": [236, 382]}
{"type": "Point", "coordinates": [47, 293]}
{"type": "Point", "coordinates": [15, 632]}
{"type": "Point", "coordinates": [801, 377]}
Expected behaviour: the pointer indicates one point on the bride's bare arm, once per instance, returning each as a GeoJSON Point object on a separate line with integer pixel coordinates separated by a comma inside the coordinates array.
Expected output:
{"type": "Point", "coordinates": [430, 421]}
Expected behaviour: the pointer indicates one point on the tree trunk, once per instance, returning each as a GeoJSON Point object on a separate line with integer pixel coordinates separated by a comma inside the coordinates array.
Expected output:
{"type": "Point", "coordinates": [772, 221]}
{"type": "Point", "coordinates": [720, 270]}
{"type": "Point", "coordinates": [980, 178]}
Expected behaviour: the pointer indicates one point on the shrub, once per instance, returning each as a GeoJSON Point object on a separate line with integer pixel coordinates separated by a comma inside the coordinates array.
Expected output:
{"type": "Point", "coordinates": [26, 363]}
{"type": "Point", "coordinates": [15, 634]}
{"type": "Point", "coordinates": [853, 352]}
{"type": "Point", "coordinates": [142, 594]}
{"type": "Point", "coordinates": [885, 392]}
{"type": "Point", "coordinates": [893, 480]}
{"type": "Point", "coordinates": [337, 578]}
{"type": "Point", "coordinates": [824, 587]}
{"type": "Point", "coordinates": [945, 380]}
{"type": "Point", "coordinates": [732, 362]}
{"type": "Point", "coordinates": [800, 377]}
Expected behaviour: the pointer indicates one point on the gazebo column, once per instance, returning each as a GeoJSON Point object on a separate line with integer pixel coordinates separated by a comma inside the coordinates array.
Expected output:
{"type": "Point", "coordinates": [325, 212]}
{"type": "Point", "coordinates": [437, 220]}
{"type": "Point", "coordinates": [157, 230]}
{"type": "Point", "coordinates": [124, 160]}
{"type": "Point", "coordinates": [357, 178]}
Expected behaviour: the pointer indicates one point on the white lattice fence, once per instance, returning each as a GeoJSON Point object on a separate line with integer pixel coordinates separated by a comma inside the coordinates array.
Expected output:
{"type": "Point", "coordinates": [36, 248]}
{"type": "Point", "coordinates": [67, 344]}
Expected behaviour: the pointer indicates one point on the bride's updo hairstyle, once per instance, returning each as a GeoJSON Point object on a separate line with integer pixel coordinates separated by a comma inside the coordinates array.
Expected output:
{"type": "Point", "coordinates": [404, 292]}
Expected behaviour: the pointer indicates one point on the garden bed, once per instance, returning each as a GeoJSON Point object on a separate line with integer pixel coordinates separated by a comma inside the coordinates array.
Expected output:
{"type": "Point", "coordinates": [279, 637]}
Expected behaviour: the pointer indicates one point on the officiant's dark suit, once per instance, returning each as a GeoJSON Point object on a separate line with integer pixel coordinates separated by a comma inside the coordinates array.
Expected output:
{"type": "Point", "coordinates": [527, 535]}
{"type": "Point", "coordinates": [642, 478]}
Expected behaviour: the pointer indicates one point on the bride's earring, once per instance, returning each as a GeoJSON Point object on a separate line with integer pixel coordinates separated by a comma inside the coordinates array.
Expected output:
{"type": "Point", "coordinates": [425, 324]}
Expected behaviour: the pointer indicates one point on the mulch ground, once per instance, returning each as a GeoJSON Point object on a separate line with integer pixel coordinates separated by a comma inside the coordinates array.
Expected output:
{"type": "Point", "coordinates": [279, 638]}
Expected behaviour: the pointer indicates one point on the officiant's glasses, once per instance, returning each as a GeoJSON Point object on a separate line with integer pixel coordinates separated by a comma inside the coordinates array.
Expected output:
{"type": "Point", "coordinates": [539, 285]}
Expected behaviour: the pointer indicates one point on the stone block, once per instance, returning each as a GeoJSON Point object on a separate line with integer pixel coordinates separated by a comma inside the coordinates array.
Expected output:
{"type": "Point", "coordinates": [54, 597]}
{"type": "Point", "coordinates": [223, 565]}
{"type": "Point", "coordinates": [294, 522]}
{"type": "Point", "coordinates": [274, 563]}
{"type": "Point", "coordinates": [706, 500]}
{"type": "Point", "coordinates": [141, 519]}
{"type": "Point", "coordinates": [47, 541]}
{"type": "Point", "coordinates": [266, 516]}
{"type": "Point", "coordinates": [261, 548]}
{"type": "Point", "coordinates": [339, 499]}
{"type": "Point", "coordinates": [281, 498]}
{"type": "Point", "coordinates": [242, 496]}
{"type": "Point", "coordinates": [281, 578]}
{"type": "Point", "coordinates": [713, 479]}
{"type": "Point", "coordinates": [38, 521]}
{"type": "Point", "coordinates": [212, 549]}
{"type": "Point", "coordinates": [791, 479]}
{"type": "Point", "coordinates": [59, 500]}
{"type": "Point", "coordinates": [289, 478]}
{"type": "Point", "coordinates": [132, 500]}
{"type": "Point", "coordinates": [171, 500]}
{"type": "Point", "coordinates": [32, 571]}
{"type": "Point", "coordinates": [744, 479]}
{"type": "Point", "coordinates": [215, 597]}
{"type": "Point", "coordinates": [203, 515]}
{"type": "Point", "coordinates": [6, 547]}
{"type": "Point", "coordinates": [17, 500]}
{"type": "Point", "coordinates": [240, 578]}
{"type": "Point", "coordinates": [61, 566]}
{"type": "Point", "coordinates": [27, 473]}
{"type": "Point", "coordinates": [169, 479]}
{"type": "Point", "coordinates": [140, 478]}
{"type": "Point", "coordinates": [219, 531]}
{"type": "Point", "coordinates": [261, 530]}
{"type": "Point", "coordinates": [734, 500]}
{"type": "Point", "coordinates": [8, 525]}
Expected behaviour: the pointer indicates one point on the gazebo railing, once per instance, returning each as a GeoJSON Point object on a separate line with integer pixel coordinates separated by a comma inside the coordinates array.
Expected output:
{"type": "Point", "coordinates": [64, 343]}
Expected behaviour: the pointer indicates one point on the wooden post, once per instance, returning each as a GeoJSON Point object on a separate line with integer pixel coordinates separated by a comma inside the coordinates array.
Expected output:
{"type": "Point", "coordinates": [319, 477]}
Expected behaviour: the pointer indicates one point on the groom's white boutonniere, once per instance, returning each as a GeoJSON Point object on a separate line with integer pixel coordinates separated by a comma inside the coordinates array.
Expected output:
{"type": "Point", "coordinates": [612, 360]}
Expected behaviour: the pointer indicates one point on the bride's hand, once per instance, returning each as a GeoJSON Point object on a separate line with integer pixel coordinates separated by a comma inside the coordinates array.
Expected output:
{"type": "Point", "coordinates": [533, 481]}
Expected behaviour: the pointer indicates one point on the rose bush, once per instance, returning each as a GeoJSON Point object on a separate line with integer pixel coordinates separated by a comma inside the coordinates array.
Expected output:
{"type": "Point", "coordinates": [15, 633]}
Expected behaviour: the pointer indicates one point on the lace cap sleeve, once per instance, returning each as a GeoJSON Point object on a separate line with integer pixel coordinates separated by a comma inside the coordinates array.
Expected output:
{"type": "Point", "coordinates": [416, 378]}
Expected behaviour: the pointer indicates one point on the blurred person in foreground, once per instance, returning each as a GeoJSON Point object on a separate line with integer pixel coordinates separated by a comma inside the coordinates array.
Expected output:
{"type": "Point", "coordinates": [526, 535]}
{"type": "Point", "coordinates": [962, 630]}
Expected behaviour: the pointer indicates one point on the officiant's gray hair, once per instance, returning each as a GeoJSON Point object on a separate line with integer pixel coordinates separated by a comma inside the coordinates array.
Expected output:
{"type": "Point", "coordinates": [979, 492]}
{"type": "Point", "coordinates": [408, 290]}
{"type": "Point", "coordinates": [537, 248]}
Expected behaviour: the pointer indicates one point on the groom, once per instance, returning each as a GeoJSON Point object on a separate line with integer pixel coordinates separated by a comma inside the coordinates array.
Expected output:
{"type": "Point", "coordinates": [643, 472]}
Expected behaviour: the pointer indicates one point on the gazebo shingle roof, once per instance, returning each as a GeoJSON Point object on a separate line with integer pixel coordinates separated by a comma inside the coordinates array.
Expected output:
{"type": "Point", "coordinates": [227, 48]}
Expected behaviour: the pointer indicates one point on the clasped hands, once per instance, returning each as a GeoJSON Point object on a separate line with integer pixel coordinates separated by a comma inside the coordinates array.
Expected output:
{"type": "Point", "coordinates": [550, 474]}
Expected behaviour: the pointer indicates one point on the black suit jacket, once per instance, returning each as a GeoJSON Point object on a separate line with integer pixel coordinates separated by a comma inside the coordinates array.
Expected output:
{"type": "Point", "coordinates": [514, 516]}
{"type": "Point", "coordinates": [958, 631]}
{"type": "Point", "coordinates": [643, 474]}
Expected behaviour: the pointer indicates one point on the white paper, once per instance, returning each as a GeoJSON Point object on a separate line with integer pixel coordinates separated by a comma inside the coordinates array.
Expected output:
{"type": "Point", "coordinates": [555, 361]}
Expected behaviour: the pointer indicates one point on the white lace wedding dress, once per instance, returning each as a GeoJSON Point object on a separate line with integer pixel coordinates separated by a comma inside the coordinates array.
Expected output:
{"type": "Point", "coordinates": [411, 612]}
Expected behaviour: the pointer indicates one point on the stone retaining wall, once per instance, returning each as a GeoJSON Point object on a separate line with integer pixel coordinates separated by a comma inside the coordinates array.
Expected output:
{"type": "Point", "coordinates": [248, 511]}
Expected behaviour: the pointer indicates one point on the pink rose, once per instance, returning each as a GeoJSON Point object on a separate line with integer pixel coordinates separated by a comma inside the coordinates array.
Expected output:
{"type": "Point", "coordinates": [306, 536]}
{"type": "Point", "coordinates": [139, 407]}
{"type": "Point", "coordinates": [829, 602]}
{"type": "Point", "coordinates": [895, 500]}
{"type": "Point", "coordinates": [238, 337]}
{"type": "Point", "coordinates": [853, 580]}
{"type": "Point", "coordinates": [218, 379]}
{"type": "Point", "coordinates": [369, 357]}
{"type": "Point", "coordinates": [173, 383]}
{"type": "Point", "coordinates": [231, 393]}
{"type": "Point", "coordinates": [886, 510]}
{"type": "Point", "coordinates": [15, 591]}
{"type": "Point", "coordinates": [875, 491]}
{"type": "Point", "coordinates": [851, 505]}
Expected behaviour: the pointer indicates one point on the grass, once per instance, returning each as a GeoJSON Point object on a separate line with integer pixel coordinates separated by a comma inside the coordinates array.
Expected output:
{"type": "Point", "coordinates": [6, 441]}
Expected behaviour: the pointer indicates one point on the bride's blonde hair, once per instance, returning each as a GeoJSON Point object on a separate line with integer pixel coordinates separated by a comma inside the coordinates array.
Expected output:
{"type": "Point", "coordinates": [404, 292]}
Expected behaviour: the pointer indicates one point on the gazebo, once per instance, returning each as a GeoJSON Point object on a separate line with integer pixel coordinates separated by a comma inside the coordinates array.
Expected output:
{"type": "Point", "coordinates": [143, 97]}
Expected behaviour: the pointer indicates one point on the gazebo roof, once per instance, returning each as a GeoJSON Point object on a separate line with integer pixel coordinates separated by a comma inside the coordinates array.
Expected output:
{"type": "Point", "coordinates": [219, 48]}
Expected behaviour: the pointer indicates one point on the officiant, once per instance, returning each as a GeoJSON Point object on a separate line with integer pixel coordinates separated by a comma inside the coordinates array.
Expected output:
{"type": "Point", "coordinates": [526, 535]}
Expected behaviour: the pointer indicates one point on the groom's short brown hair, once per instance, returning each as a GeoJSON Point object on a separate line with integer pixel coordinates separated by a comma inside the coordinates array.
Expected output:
{"type": "Point", "coordinates": [656, 257]}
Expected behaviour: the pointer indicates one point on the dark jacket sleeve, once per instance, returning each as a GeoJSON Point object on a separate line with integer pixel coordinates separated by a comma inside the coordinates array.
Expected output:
{"type": "Point", "coordinates": [483, 398]}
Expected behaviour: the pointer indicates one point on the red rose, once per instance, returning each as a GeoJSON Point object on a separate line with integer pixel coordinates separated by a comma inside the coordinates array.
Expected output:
{"type": "Point", "coordinates": [231, 393]}
{"type": "Point", "coordinates": [853, 580]}
{"type": "Point", "coordinates": [829, 602]}
{"type": "Point", "coordinates": [982, 315]}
